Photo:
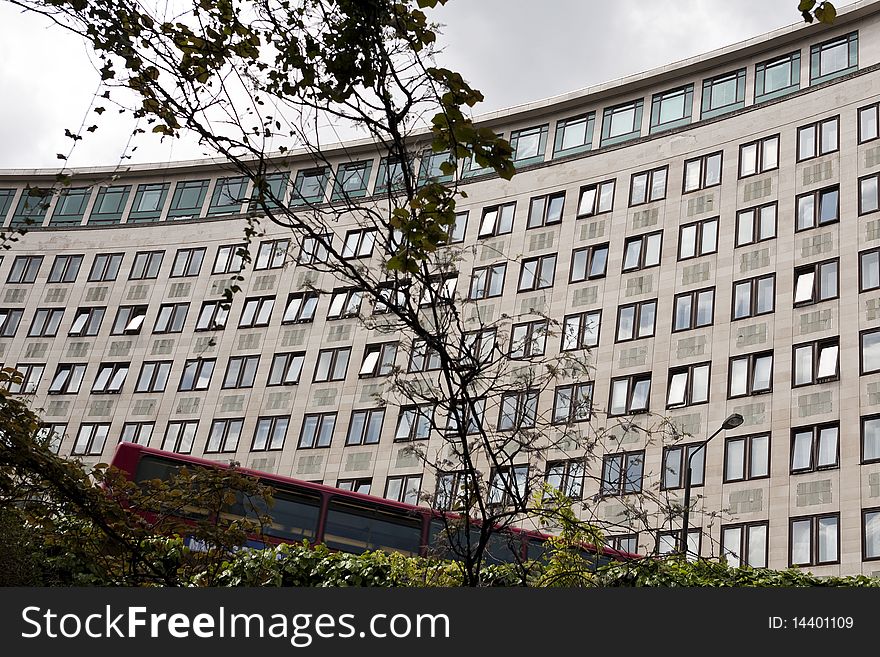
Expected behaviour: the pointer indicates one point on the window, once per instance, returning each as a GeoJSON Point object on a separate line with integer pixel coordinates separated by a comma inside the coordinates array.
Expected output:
{"type": "Point", "coordinates": [567, 477]}
{"type": "Point", "coordinates": [745, 544]}
{"type": "Point", "coordinates": [423, 358]}
{"type": "Point", "coordinates": [138, 433]}
{"type": "Point", "coordinates": [815, 448]}
{"type": "Point", "coordinates": [146, 265]}
{"type": "Point", "coordinates": [414, 422]}
{"type": "Point", "coordinates": [868, 122]}
{"type": "Point", "coordinates": [747, 457]}
{"type": "Point", "coordinates": [528, 145]}
{"type": "Point", "coordinates": [110, 378]}
{"type": "Point", "coordinates": [351, 180]}
{"type": "Point", "coordinates": [90, 439]}
{"type": "Point", "coordinates": [171, 318]}
{"type": "Point", "coordinates": [24, 269]}
{"type": "Point", "coordinates": [230, 259]}
{"type": "Point", "coordinates": [756, 224]}
{"type": "Point", "coordinates": [519, 410]}
{"type": "Point", "coordinates": [314, 250]}
{"type": "Point", "coordinates": [623, 543]}
{"type": "Point", "coordinates": [668, 542]}
{"type": "Point", "coordinates": [365, 427]}
{"type": "Point", "coordinates": [572, 403]}
{"type": "Point", "coordinates": [817, 138]}
{"type": "Point", "coordinates": [630, 394]}
{"type": "Point", "coordinates": [497, 220]}
{"type": "Point", "coordinates": [358, 244]}
{"type": "Point", "coordinates": [642, 251]}
{"type": "Point", "coordinates": [759, 156]}
{"type": "Point", "coordinates": [478, 347]}
{"type": "Point", "coordinates": [10, 318]}
{"type": "Point", "coordinates": [129, 320]}
{"type": "Point", "coordinates": [815, 540]}
{"type": "Point", "coordinates": [105, 267]}
{"type": "Point", "coordinates": [148, 202]}
{"type": "Point", "coordinates": [212, 316]}
{"type": "Point", "coordinates": [815, 283]}
{"type": "Point", "coordinates": [676, 460]}
{"type": "Point", "coordinates": [671, 109]}
{"type": "Point", "coordinates": [332, 364]}
{"type": "Point", "coordinates": [622, 473]}
{"type": "Point", "coordinates": [574, 135]}
{"type": "Point", "coordinates": [153, 376]}
{"type": "Point", "coordinates": [197, 374]}
{"type": "Point", "coordinates": [694, 309]}
{"type": "Point", "coordinates": [581, 331]}
{"type": "Point", "coordinates": [451, 489]}
{"type": "Point", "coordinates": [228, 195]}
{"type": "Point", "coordinates": [439, 289]}
{"type": "Point", "coordinates": [345, 302]}
{"type": "Point", "coordinates": [378, 359]}
{"type": "Point", "coordinates": [648, 186]}
{"type": "Point", "coordinates": [833, 58]}
{"type": "Point", "coordinates": [361, 485]}
{"type": "Point", "coordinates": [817, 208]}
{"type": "Point", "coordinates": [65, 268]}
{"type": "Point", "coordinates": [588, 263]}
{"type": "Point", "coordinates": [404, 489]}
{"type": "Point", "coordinates": [868, 201]}
{"type": "Point", "coordinates": [87, 321]}
{"type": "Point", "coordinates": [537, 273]}
{"type": "Point", "coordinates": [317, 430]}
{"type": "Point", "coordinates": [224, 435]}
{"type": "Point", "coordinates": [257, 311]}
{"type": "Point", "coordinates": [271, 254]}
{"type": "Point", "coordinates": [70, 206]}
{"type": "Point", "coordinates": [528, 339]}
{"type": "Point", "coordinates": [688, 385]}
{"type": "Point", "coordinates": [596, 199]}
{"type": "Point", "coordinates": [698, 239]}
{"type": "Point", "coordinates": [67, 380]}
{"type": "Point", "coordinates": [241, 371]}
{"type": "Point", "coordinates": [392, 175]}
{"type": "Point", "coordinates": [45, 322]}
{"type": "Point", "coordinates": [457, 230]}
{"type": "Point", "coordinates": [754, 296]}
{"type": "Point", "coordinates": [509, 486]}
{"type": "Point", "coordinates": [109, 204]}
{"type": "Point", "coordinates": [778, 76]}
{"type": "Point", "coordinates": [395, 293]}
{"type": "Point", "coordinates": [870, 534]}
{"type": "Point", "coordinates": [871, 438]}
{"type": "Point", "coordinates": [622, 122]}
{"type": "Point", "coordinates": [724, 93]}
{"type": "Point", "coordinates": [179, 436]}
{"type": "Point", "coordinates": [870, 352]}
{"type": "Point", "coordinates": [545, 210]}
{"type": "Point", "coordinates": [702, 172]}
{"type": "Point", "coordinates": [271, 432]}
{"type": "Point", "coordinates": [300, 308]}
{"type": "Point", "coordinates": [636, 320]}
{"type": "Point", "coordinates": [487, 282]}
{"type": "Point", "coordinates": [751, 374]}
{"type": "Point", "coordinates": [469, 414]}
{"type": "Point", "coordinates": [286, 368]}
{"type": "Point", "coordinates": [269, 191]}
{"type": "Point", "coordinates": [188, 262]}
{"type": "Point", "coordinates": [30, 379]}
{"type": "Point", "coordinates": [188, 198]}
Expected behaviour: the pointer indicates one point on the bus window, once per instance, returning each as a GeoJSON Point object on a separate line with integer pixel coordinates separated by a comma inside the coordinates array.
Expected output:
{"type": "Point", "coordinates": [152, 467]}
{"type": "Point", "coordinates": [503, 547]}
{"type": "Point", "coordinates": [294, 516]}
{"type": "Point", "coordinates": [353, 528]}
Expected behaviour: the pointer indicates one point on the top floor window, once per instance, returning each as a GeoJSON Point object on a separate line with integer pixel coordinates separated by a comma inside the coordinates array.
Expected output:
{"type": "Point", "coordinates": [671, 109]}
{"type": "Point", "coordinates": [352, 179]}
{"type": "Point", "coordinates": [189, 196]}
{"type": "Point", "coordinates": [622, 122]}
{"type": "Point", "coordinates": [149, 200]}
{"type": "Point", "coordinates": [724, 93]}
{"type": "Point", "coordinates": [310, 185]}
{"type": "Point", "coordinates": [431, 168]}
{"type": "Point", "coordinates": [392, 175]}
{"type": "Point", "coordinates": [834, 58]}
{"type": "Point", "coordinates": [109, 204]}
{"type": "Point", "coordinates": [70, 206]}
{"type": "Point", "coordinates": [528, 145]}
{"type": "Point", "coordinates": [778, 76]}
{"type": "Point", "coordinates": [269, 192]}
{"type": "Point", "coordinates": [574, 135]}
{"type": "Point", "coordinates": [229, 194]}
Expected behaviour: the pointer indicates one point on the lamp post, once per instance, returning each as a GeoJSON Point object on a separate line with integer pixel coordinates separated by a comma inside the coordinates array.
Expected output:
{"type": "Point", "coordinates": [732, 422]}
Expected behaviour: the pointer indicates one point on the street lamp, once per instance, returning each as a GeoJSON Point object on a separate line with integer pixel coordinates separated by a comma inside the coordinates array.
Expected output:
{"type": "Point", "coordinates": [732, 422]}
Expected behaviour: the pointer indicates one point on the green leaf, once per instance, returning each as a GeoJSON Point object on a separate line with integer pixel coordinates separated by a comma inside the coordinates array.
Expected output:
{"type": "Point", "coordinates": [806, 5]}
{"type": "Point", "coordinates": [826, 13]}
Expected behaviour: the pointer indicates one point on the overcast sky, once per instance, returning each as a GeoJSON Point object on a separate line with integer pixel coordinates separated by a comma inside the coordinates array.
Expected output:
{"type": "Point", "coordinates": [514, 51]}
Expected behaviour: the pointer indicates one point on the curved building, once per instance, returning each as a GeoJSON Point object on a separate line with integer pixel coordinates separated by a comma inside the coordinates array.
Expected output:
{"type": "Point", "coordinates": [718, 220]}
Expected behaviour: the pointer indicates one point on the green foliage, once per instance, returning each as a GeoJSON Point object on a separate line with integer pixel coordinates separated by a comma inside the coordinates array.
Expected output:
{"type": "Point", "coordinates": [824, 12]}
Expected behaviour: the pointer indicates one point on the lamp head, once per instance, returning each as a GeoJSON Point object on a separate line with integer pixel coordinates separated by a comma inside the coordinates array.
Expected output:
{"type": "Point", "coordinates": [732, 422]}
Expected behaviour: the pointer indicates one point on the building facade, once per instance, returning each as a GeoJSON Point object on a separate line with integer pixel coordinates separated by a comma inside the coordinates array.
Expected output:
{"type": "Point", "coordinates": [715, 222]}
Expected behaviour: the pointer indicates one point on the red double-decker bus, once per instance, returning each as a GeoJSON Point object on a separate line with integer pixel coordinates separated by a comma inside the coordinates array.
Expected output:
{"type": "Point", "coordinates": [348, 521]}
